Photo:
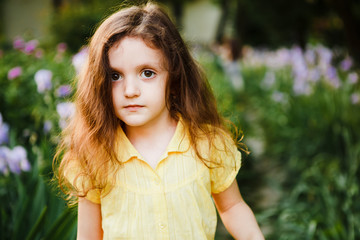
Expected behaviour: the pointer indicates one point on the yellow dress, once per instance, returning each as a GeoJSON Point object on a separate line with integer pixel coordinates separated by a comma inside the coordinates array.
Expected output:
{"type": "Point", "coordinates": [172, 201]}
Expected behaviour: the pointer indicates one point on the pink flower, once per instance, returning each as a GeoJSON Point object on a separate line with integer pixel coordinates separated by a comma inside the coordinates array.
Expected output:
{"type": "Point", "coordinates": [61, 47]}
{"type": "Point", "coordinates": [19, 43]}
{"type": "Point", "coordinates": [31, 46]}
{"type": "Point", "coordinates": [14, 73]}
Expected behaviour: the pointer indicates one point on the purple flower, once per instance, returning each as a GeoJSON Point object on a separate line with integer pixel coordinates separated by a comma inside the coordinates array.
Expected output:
{"type": "Point", "coordinates": [283, 56]}
{"type": "Point", "coordinates": [310, 56]}
{"type": "Point", "coordinates": [346, 64]}
{"type": "Point", "coordinates": [331, 72]}
{"type": "Point", "coordinates": [43, 80]}
{"type": "Point", "coordinates": [63, 90]}
{"type": "Point", "coordinates": [355, 98]}
{"type": "Point", "coordinates": [79, 59]}
{"type": "Point", "coordinates": [17, 160]}
{"type": "Point", "coordinates": [325, 55]}
{"type": "Point", "coordinates": [47, 126]}
{"type": "Point", "coordinates": [314, 75]}
{"type": "Point", "coordinates": [301, 86]}
{"type": "Point", "coordinates": [14, 73]}
{"type": "Point", "coordinates": [4, 153]}
{"type": "Point", "coordinates": [19, 43]}
{"type": "Point", "coordinates": [278, 59]}
{"type": "Point", "coordinates": [333, 77]}
{"type": "Point", "coordinates": [299, 66]}
{"type": "Point", "coordinates": [13, 162]}
{"type": "Point", "coordinates": [63, 123]}
{"type": "Point", "coordinates": [4, 133]}
{"type": "Point", "coordinates": [20, 153]}
{"type": "Point", "coordinates": [353, 78]}
{"type": "Point", "coordinates": [31, 46]}
{"type": "Point", "coordinates": [65, 109]}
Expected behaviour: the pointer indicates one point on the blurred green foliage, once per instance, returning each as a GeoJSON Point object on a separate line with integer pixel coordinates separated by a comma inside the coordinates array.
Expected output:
{"type": "Point", "coordinates": [311, 145]}
{"type": "Point", "coordinates": [29, 206]}
{"type": "Point", "coordinates": [316, 140]}
{"type": "Point", "coordinates": [74, 23]}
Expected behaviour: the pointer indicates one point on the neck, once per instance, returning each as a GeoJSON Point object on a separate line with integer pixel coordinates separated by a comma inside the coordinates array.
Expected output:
{"type": "Point", "coordinates": [165, 126]}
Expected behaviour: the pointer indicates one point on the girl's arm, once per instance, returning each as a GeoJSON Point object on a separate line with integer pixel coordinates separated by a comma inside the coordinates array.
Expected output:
{"type": "Point", "coordinates": [236, 215]}
{"type": "Point", "coordinates": [89, 220]}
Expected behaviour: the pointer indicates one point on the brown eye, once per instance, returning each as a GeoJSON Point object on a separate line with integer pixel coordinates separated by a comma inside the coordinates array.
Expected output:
{"type": "Point", "coordinates": [147, 74]}
{"type": "Point", "coordinates": [115, 76]}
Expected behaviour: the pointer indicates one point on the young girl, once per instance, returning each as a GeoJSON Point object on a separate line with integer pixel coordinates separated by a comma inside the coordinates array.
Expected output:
{"type": "Point", "coordinates": [147, 153]}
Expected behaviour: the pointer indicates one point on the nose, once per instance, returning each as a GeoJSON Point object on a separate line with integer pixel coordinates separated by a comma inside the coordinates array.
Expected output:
{"type": "Point", "coordinates": [131, 87]}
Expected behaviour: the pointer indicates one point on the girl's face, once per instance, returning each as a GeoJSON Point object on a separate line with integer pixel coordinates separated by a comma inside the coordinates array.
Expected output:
{"type": "Point", "coordinates": [138, 83]}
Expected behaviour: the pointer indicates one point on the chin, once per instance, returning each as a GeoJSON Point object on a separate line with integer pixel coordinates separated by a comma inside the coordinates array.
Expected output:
{"type": "Point", "coordinates": [134, 122]}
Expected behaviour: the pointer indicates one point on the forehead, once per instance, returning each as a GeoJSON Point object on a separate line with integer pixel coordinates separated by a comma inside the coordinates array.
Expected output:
{"type": "Point", "coordinates": [135, 50]}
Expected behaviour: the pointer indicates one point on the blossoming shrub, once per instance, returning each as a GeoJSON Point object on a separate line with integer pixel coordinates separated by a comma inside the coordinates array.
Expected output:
{"type": "Point", "coordinates": [34, 82]}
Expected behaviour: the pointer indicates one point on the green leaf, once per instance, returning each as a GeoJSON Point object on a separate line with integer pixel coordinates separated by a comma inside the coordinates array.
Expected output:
{"type": "Point", "coordinates": [63, 227]}
{"type": "Point", "coordinates": [35, 230]}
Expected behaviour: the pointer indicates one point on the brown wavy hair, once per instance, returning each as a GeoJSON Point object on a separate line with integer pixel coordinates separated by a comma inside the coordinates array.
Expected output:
{"type": "Point", "coordinates": [89, 139]}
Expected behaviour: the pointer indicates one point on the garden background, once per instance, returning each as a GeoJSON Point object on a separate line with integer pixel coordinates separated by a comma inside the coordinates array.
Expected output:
{"type": "Point", "coordinates": [285, 72]}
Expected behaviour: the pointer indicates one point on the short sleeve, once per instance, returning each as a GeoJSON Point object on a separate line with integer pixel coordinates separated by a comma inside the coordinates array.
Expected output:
{"type": "Point", "coordinates": [80, 183]}
{"type": "Point", "coordinates": [229, 159]}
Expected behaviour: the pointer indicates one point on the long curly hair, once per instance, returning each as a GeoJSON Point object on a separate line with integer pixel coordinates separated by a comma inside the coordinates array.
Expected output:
{"type": "Point", "coordinates": [89, 140]}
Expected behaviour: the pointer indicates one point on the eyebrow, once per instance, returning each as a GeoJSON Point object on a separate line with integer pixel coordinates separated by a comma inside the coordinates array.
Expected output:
{"type": "Point", "coordinates": [154, 66]}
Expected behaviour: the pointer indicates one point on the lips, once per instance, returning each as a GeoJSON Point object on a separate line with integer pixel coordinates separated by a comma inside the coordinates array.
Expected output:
{"type": "Point", "coordinates": [133, 108]}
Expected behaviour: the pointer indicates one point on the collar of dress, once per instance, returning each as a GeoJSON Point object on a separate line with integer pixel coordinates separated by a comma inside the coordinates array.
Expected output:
{"type": "Point", "coordinates": [179, 143]}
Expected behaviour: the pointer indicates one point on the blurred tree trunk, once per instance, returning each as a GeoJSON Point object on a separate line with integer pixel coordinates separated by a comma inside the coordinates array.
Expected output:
{"type": "Point", "coordinates": [177, 7]}
{"type": "Point", "coordinates": [178, 12]}
{"type": "Point", "coordinates": [224, 4]}
{"type": "Point", "coordinates": [240, 21]}
{"type": "Point", "coordinates": [351, 26]}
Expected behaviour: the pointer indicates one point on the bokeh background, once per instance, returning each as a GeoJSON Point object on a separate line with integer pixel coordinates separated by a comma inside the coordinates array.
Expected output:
{"type": "Point", "coordinates": [285, 72]}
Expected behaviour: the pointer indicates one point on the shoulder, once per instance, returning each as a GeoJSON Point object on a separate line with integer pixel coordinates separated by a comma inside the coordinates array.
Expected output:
{"type": "Point", "coordinates": [216, 141]}
{"type": "Point", "coordinates": [225, 160]}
